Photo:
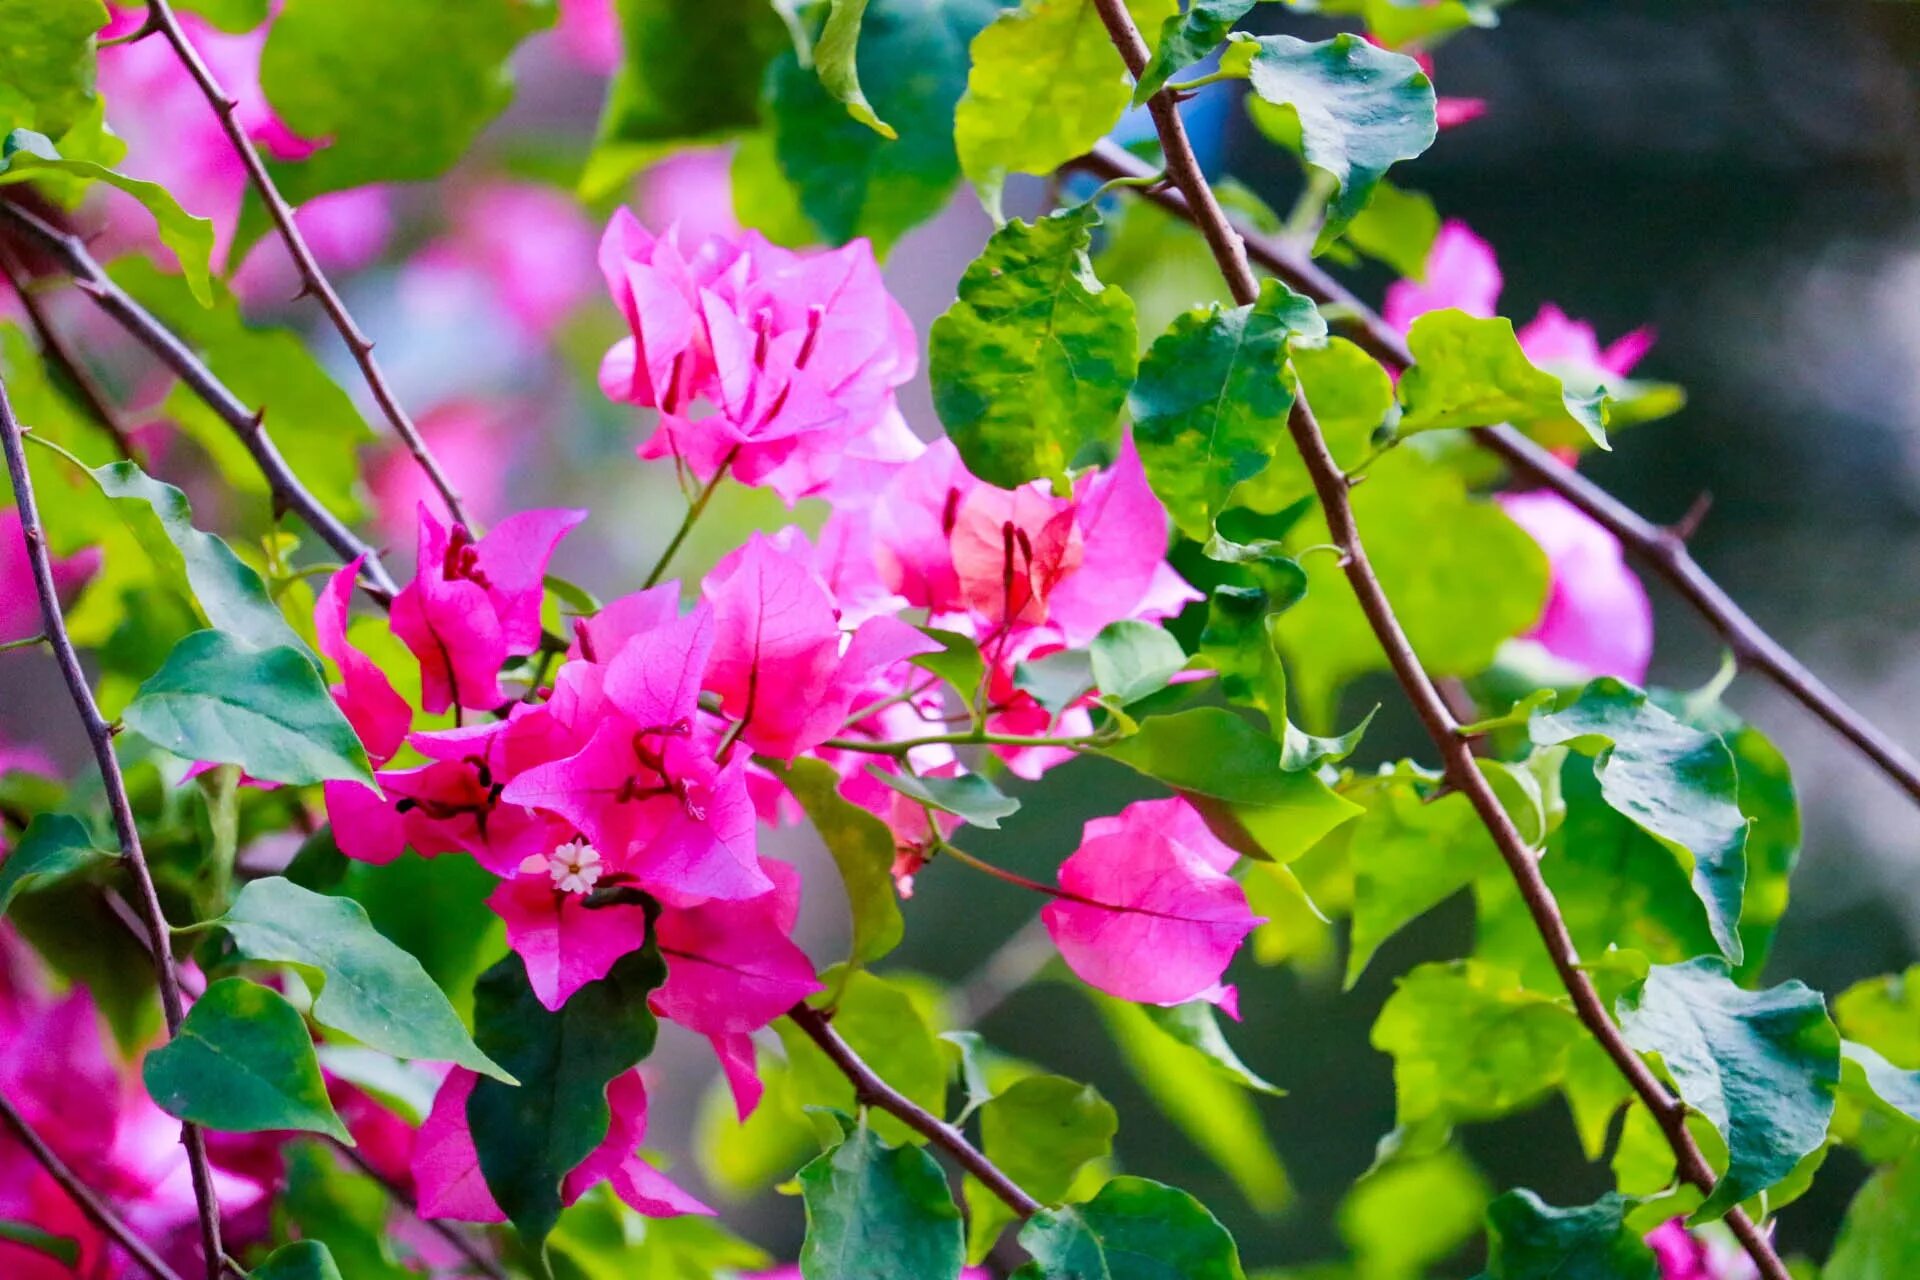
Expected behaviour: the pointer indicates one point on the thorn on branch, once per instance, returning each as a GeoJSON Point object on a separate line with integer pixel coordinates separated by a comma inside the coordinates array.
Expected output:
{"type": "Point", "coordinates": [1689, 524]}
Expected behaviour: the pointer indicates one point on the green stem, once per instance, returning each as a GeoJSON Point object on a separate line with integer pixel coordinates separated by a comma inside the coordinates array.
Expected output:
{"type": "Point", "coordinates": [694, 508]}
{"type": "Point", "coordinates": [25, 642]}
{"type": "Point", "coordinates": [971, 738]}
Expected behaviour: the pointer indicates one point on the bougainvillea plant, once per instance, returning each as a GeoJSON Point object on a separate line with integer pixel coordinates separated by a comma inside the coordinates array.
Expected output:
{"type": "Point", "coordinates": [346, 953]}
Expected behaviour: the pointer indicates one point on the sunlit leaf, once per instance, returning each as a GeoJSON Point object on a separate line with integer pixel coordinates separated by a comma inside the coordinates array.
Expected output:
{"type": "Point", "coordinates": [875, 1212]}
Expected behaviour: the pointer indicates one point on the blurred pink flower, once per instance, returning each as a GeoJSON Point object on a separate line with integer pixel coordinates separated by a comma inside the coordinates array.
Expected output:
{"type": "Point", "coordinates": [1597, 615]}
{"type": "Point", "coordinates": [1684, 1256]}
{"type": "Point", "coordinates": [530, 244]}
{"type": "Point", "coordinates": [590, 34]}
{"type": "Point", "coordinates": [19, 601]}
{"type": "Point", "coordinates": [475, 447]}
{"type": "Point", "coordinates": [692, 190]}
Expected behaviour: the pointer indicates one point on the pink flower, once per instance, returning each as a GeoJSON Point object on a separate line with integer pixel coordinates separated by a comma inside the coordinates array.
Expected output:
{"type": "Point", "coordinates": [789, 360]}
{"type": "Point", "coordinates": [590, 33]}
{"type": "Point", "coordinates": [777, 661]}
{"type": "Point", "coordinates": [472, 605]}
{"type": "Point", "coordinates": [1597, 616]}
{"type": "Point", "coordinates": [367, 698]}
{"type": "Point", "coordinates": [1149, 912]}
{"type": "Point", "coordinates": [446, 1164]}
{"type": "Point", "coordinates": [1462, 273]}
{"type": "Point", "coordinates": [1553, 340]}
{"type": "Point", "coordinates": [19, 600]}
{"type": "Point", "coordinates": [472, 442]}
{"type": "Point", "coordinates": [530, 243]}
{"type": "Point", "coordinates": [564, 943]}
{"type": "Point", "coordinates": [693, 189]}
{"type": "Point", "coordinates": [1684, 1256]}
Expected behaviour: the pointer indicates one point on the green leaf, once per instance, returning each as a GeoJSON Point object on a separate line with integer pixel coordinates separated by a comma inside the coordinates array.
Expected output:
{"type": "Point", "coordinates": [47, 62]}
{"type": "Point", "coordinates": [1217, 1114]}
{"type": "Point", "coordinates": [850, 180]}
{"type": "Point", "coordinates": [1884, 1014]}
{"type": "Point", "coordinates": [265, 711]}
{"type": "Point", "coordinates": [374, 991]}
{"type": "Point", "coordinates": [242, 1063]}
{"type": "Point", "coordinates": [862, 848]}
{"type": "Point", "coordinates": [1187, 38]}
{"type": "Point", "coordinates": [1676, 783]}
{"type": "Point", "coordinates": [1463, 577]}
{"type": "Point", "coordinates": [301, 1260]}
{"type": "Point", "coordinates": [1397, 228]}
{"type": "Point", "coordinates": [351, 71]}
{"type": "Point", "coordinates": [890, 1031]}
{"type": "Point", "coordinates": [346, 1211]}
{"type": "Point", "coordinates": [1352, 397]}
{"type": "Point", "coordinates": [1239, 643]}
{"type": "Point", "coordinates": [1134, 1229]}
{"type": "Point", "coordinates": [1032, 362]}
{"type": "Point", "coordinates": [1057, 680]}
{"type": "Point", "coordinates": [1880, 1237]}
{"type": "Point", "coordinates": [1529, 1239]}
{"type": "Point", "coordinates": [1470, 372]}
{"type": "Point", "coordinates": [691, 72]}
{"type": "Point", "coordinates": [235, 16]}
{"type": "Point", "coordinates": [531, 1136]}
{"type": "Point", "coordinates": [1888, 1097]}
{"type": "Point", "coordinates": [970, 796]}
{"type": "Point", "coordinates": [1469, 1043]}
{"type": "Point", "coordinates": [835, 56]}
{"type": "Point", "coordinates": [876, 1212]}
{"type": "Point", "coordinates": [53, 847]}
{"type": "Point", "coordinates": [1214, 752]}
{"type": "Point", "coordinates": [1131, 660]}
{"type": "Point", "coordinates": [226, 588]}
{"type": "Point", "coordinates": [1360, 107]}
{"type": "Point", "coordinates": [25, 155]}
{"type": "Point", "coordinates": [62, 1249]}
{"type": "Point", "coordinates": [1210, 407]}
{"type": "Point", "coordinates": [1046, 85]}
{"type": "Point", "coordinates": [1405, 1217]}
{"type": "Point", "coordinates": [1039, 1131]}
{"type": "Point", "coordinates": [1761, 1066]}
{"type": "Point", "coordinates": [1196, 1024]}
{"type": "Point", "coordinates": [1402, 23]}
{"type": "Point", "coordinates": [957, 662]}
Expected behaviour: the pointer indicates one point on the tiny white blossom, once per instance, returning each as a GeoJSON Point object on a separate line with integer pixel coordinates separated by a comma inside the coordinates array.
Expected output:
{"type": "Point", "coordinates": [574, 866]}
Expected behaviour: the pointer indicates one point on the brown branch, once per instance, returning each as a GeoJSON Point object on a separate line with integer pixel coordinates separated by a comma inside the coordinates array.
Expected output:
{"type": "Point", "coordinates": [1330, 483]}
{"type": "Point", "coordinates": [55, 349]}
{"type": "Point", "coordinates": [288, 493]}
{"type": "Point", "coordinates": [871, 1091]}
{"type": "Point", "coordinates": [445, 1230]}
{"type": "Point", "coordinates": [160, 17]}
{"type": "Point", "coordinates": [84, 1196]}
{"type": "Point", "coordinates": [100, 735]}
{"type": "Point", "coordinates": [1663, 550]}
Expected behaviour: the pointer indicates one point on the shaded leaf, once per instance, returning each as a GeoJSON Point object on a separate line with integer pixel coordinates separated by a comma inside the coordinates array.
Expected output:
{"type": "Point", "coordinates": [1130, 660]}
{"type": "Point", "coordinates": [1187, 38]}
{"type": "Point", "coordinates": [62, 1249]}
{"type": "Point", "coordinates": [1032, 362]}
{"type": "Point", "coordinates": [301, 1260]}
{"type": "Point", "coordinates": [1880, 1236]}
{"type": "Point", "coordinates": [53, 847]}
{"type": "Point", "coordinates": [876, 1212]}
{"type": "Point", "coordinates": [1135, 1229]}
{"type": "Point", "coordinates": [862, 848]}
{"type": "Point", "coordinates": [1040, 1132]}
{"type": "Point", "coordinates": [242, 1063]}
{"type": "Point", "coordinates": [374, 991]}
{"type": "Point", "coordinates": [970, 796]}
{"type": "Point", "coordinates": [1529, 1239]}
{"type": "Point", "coordinates": [1761, 1066]}
{"type": "Point", "coordinates": [265, 711]}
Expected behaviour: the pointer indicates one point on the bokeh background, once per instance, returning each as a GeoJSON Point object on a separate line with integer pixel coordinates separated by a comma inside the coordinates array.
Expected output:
{"type": "Point", "coordinates": [1744, 175]}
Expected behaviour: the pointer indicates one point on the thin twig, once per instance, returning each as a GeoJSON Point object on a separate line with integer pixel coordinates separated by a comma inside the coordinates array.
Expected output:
{"type": "Point", "coordinates": [100, 735]}
{"type": "Point", "coordinates": [1461, 769]}
{"type": "Point", "coordinates": [871, 1091]}
{"type": "Point", "coordinates": [445, 1230]}
{"type": "Point", "coordinates": [84, 1196]}
{"type": "Point", "coordinates": [1661, 549]}
{"type": "Point", "coordinates": [160, 17]}
{"type": "Point", "coordinates": [247, 424]}
{"type": "Point", "coordinates": [63, 357]}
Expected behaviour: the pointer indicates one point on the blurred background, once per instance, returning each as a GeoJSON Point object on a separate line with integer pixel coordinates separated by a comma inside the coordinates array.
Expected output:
{"type": "Point", "coordinates": [1742, 176]}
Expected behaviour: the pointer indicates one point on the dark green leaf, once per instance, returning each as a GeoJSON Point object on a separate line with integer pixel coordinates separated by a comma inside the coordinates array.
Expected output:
{"type": "Point", "coordinates": [1046, 85]}
{"type": "Point", "coordinates": [1676, 783]}
{"type": "Point", "coordinates": [1187, 38]}
{"type": "Point", "coordinates": [374, 991]}
{"type": "Point", "coordinates": [1131, 660]}
{"type": "Point", "coordinates": [351, 71]}
{"type": "Point", "coordinates": [850, 180]}
{"type": "Point", "coordinates": [1880, 1238]}
{"type": "Point", "coordinates": [242, 1063]}
{"type": "Point", "coordinates": [1470, 372]}
{"type": "Point", "coordinates": [1216, 753]}
{"type": "Point", "coordinates": [25, 155]}
{"type": "Point", "coordinates": [53, 847]}
{"type": "Point", "coordinates": [265, 711]}
{"type": "Point", "coordinates": [1196, 1025]}
{"type": "Point", "coordinates": [47, 62]}
{"type": "Point", "coordinates": [346, 1211]}
{"type": "Point", "coordinates": [1210, 407]}
{"type": "Point", "coordinates": [62, 1249]}
{"type": "Point", "coordinates": [1360, 107]}
{"type": "Point", "coordinates": [1032, 362]}
{"type": "Point", "coordinates": [1057, 680]}
{"type": "Point", "coordinates": [876, 1212]}
{"type": "Point", "coordinates": [531, 1136]}
{"type": "Point", "coordinates": [1134, 1229]}
{"type": "Point", "coordinates": [691, 72]}
{"type": "Point", "coordinates": [1038, 1131]}
{"type": "Point", "coordinates": [227, 589]}
{"type": "Point", "coordinates": [970, 795]}
{"type": "Point", "coordinates": [301, 1260]}
{"type": "Point", "coordinates": [1529, 1239]}
{"type": "Point", "coordinates": [862, 849]}
{"type": "Point", "coordinates": [1762, 1066]}
{"type": "Point", "coordinates": [74, 927]}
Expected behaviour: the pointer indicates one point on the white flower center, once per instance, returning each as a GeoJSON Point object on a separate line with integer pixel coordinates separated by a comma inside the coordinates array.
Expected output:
{"type": "Point", "coordinates": [574, 866]}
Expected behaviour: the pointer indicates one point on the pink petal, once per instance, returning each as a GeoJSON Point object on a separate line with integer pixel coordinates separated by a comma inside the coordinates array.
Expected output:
{"type": "Point", "coordinates": [368, 699]}
{"type": "Point", "coordinates": [741, 1069]}
{"type": "Point", "coordinates": [446, 1165]}
{"type": "Point", "coordinates": [617, 1159]}
{"type": "Point", "coordinates": [564, 943]}
{"type": "Point", "coordinates": [1461, 273]}
{"type": "Point", "coordinates": [514, 557]}
{"type": "Point", "coordinates": [731, 968]}
{"type": "Point", "coordinates": [776, 643]}
{"type": "Point", "coordinates": [365, 826]}
{"type": "Point", "coordinates": [655, 677]}
{"type": "Point", "coordinates": [1597, 614]}
{"type": "Point", "coordinates": [1124, 531]}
